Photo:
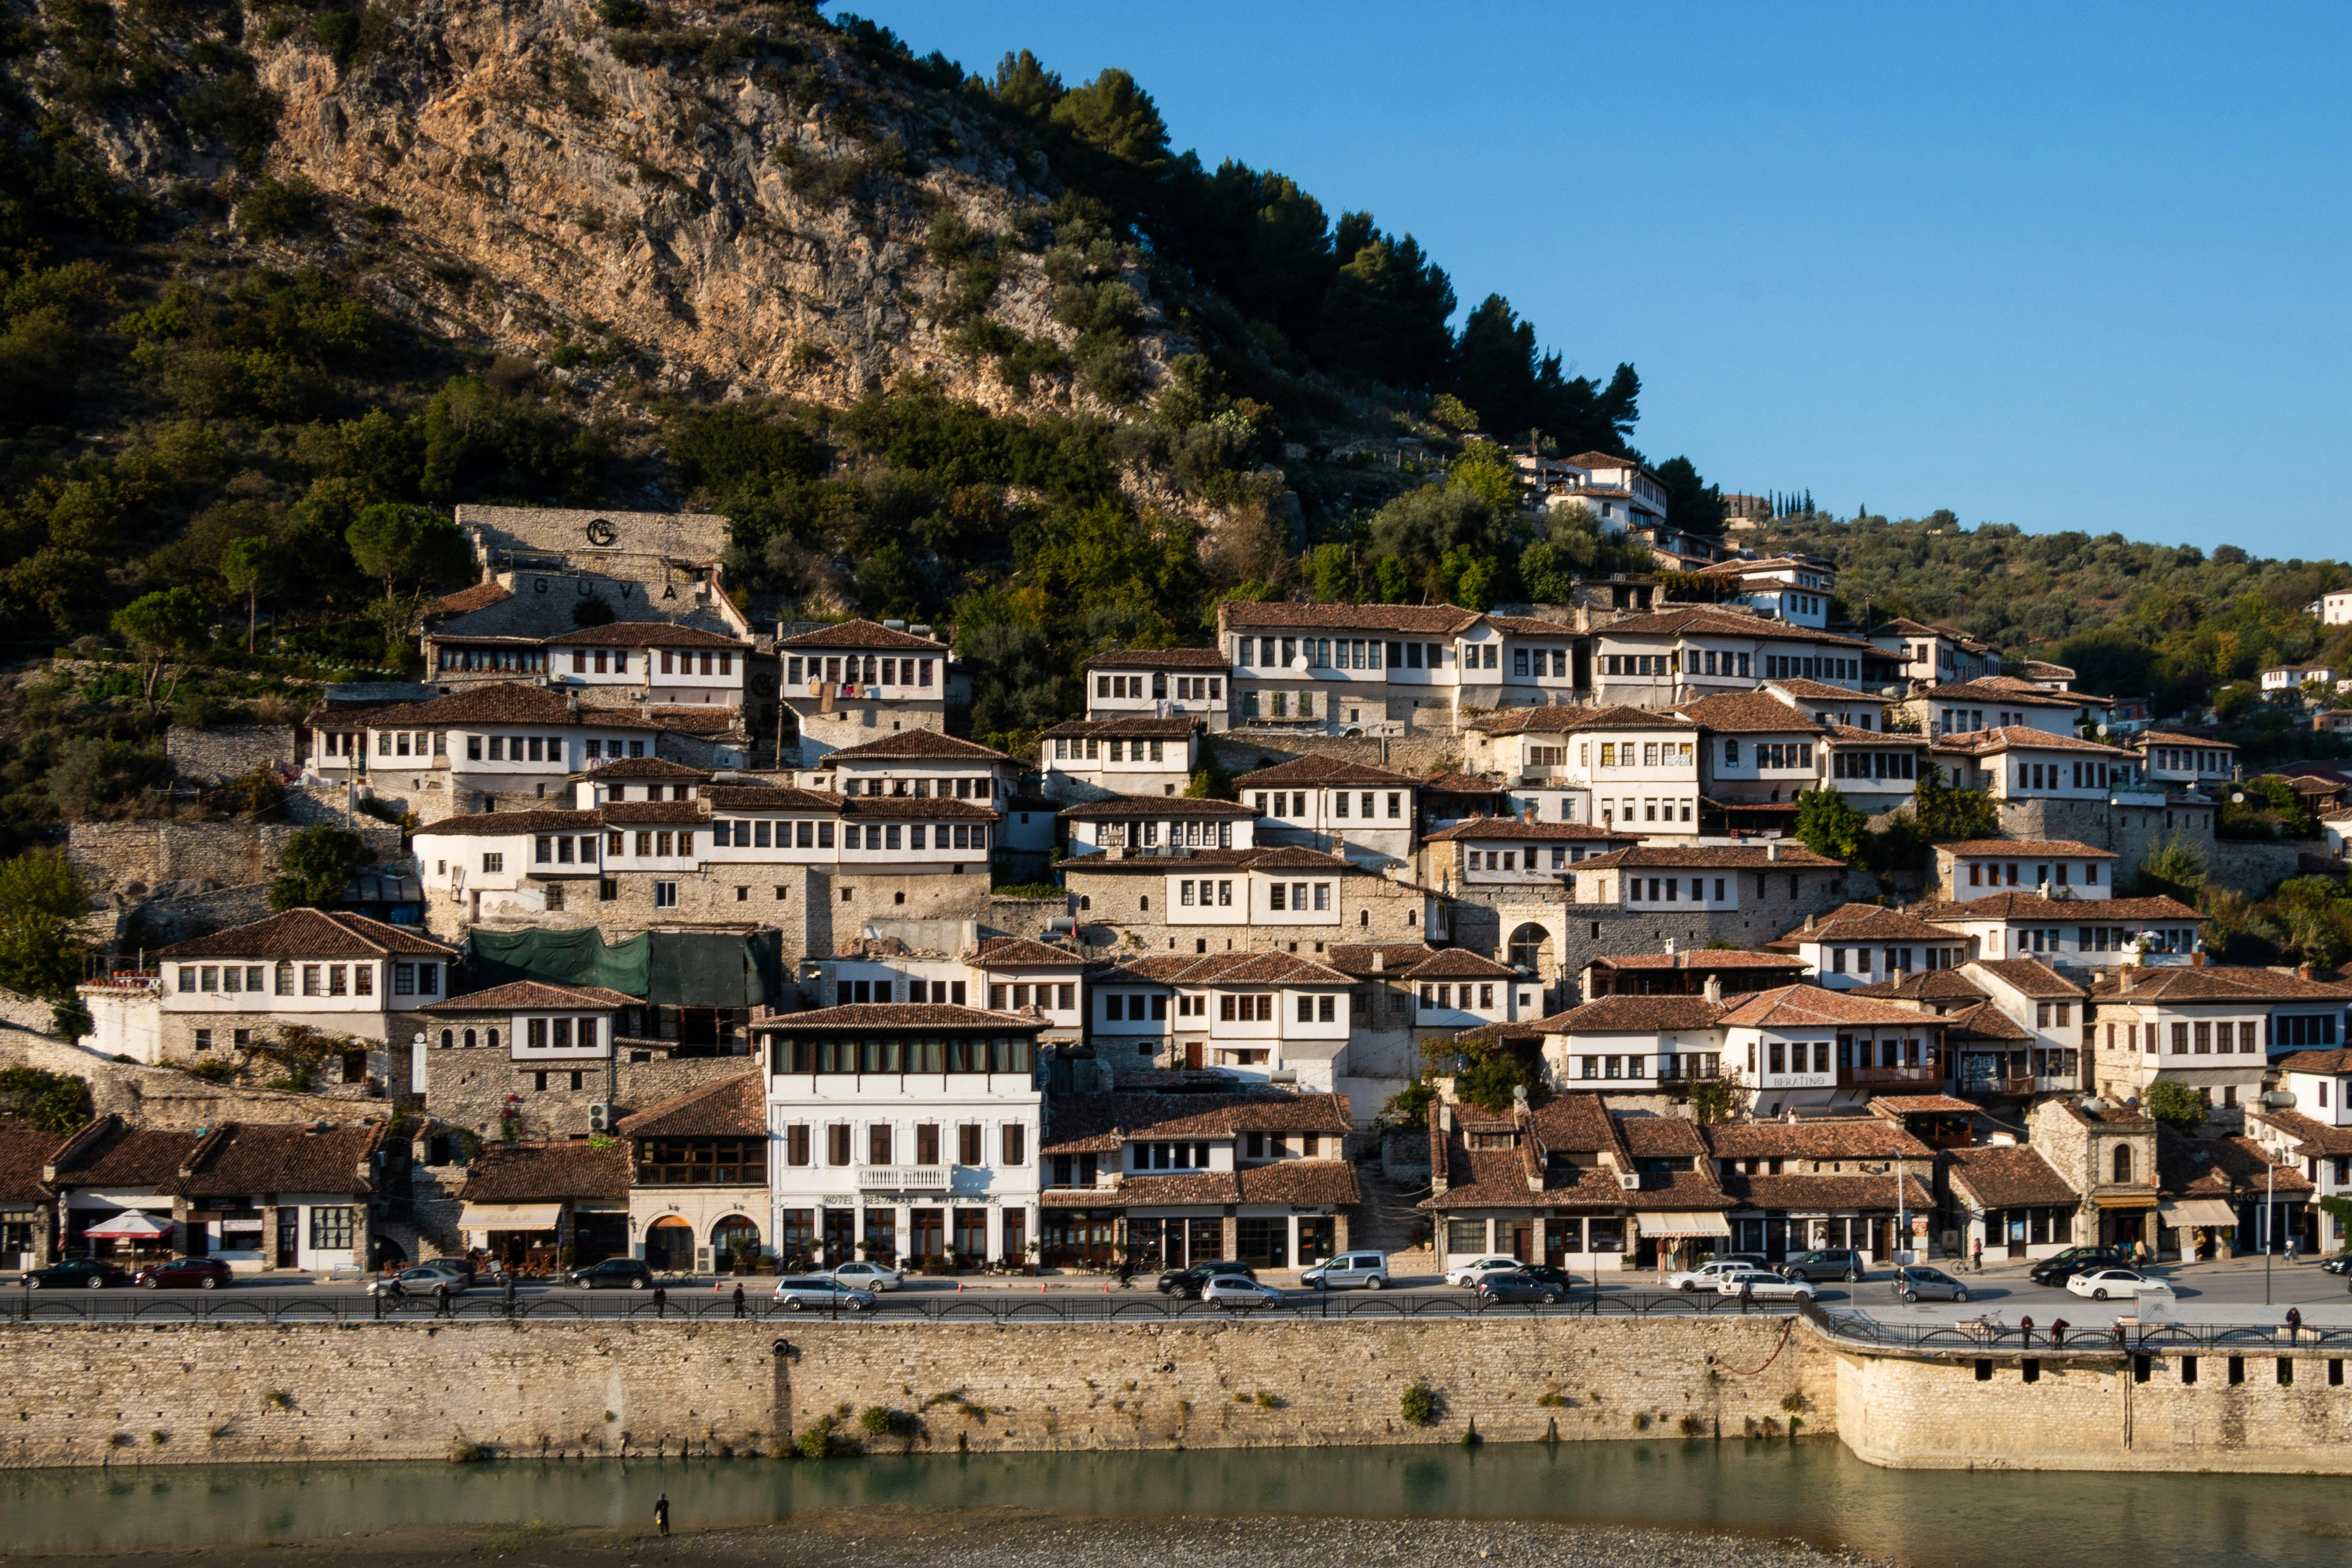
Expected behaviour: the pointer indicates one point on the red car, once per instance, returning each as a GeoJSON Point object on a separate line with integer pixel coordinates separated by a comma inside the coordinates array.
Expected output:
{"type": "Point", "coordinates": [183, 1274]}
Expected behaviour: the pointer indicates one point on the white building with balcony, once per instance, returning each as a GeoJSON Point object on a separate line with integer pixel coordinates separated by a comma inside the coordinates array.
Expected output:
{"type": "Point", "coordinates": [2051, 867]}
{"type": "Point", "coordinates": [2083, 932]}
{"type": "Point", "coordinates": [1132, 754]}
{"type": "Point", "coordinates": [2173, 761]}
{"type": "Point", "coordinates": [1676, 656]}
{"type": "Point", "coordinates": [1803, 1046]}
{"type": "Point", "coordinates": [1258, 1018]}
{"type": "Point", "coordinates": [903, 1133]}
{"type": "Point", "coordinates": [857, 681]}
{"type": "Point", "coordinates": [1369, 815]}
{"type": "Point", "coordinates": [1159, 683]}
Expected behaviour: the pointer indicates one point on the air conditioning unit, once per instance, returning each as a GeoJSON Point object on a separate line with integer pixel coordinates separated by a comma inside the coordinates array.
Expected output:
{"type": "Point", "coordinates": [601, 1117]}
{"type": "Point", "coordinates": [1629, 1180]}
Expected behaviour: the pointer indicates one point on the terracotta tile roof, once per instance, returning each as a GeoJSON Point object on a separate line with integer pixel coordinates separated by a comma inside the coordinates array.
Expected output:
{"type": "Point", "coordinates": [720, 720]}
{"type": "Point", "coordinates": [1316, 769]}
{"type": "Point", "coordinates": [1157, 659]}
{"type": "Point", "coordinates": [1697, 960]}
{"type": "Point", "coordinates": [1925, 986]}
{"type": "Point", "coordinates": [2317, 1062]}
{"type": "Point", "coordinates": [311, 933]}
{"type": "Point", "coordinates": [1118, 808]}
{"type": "Point", "coordinates": [863, 635]}
{"type": "Point", "coordinates": [1790, 857]}
{"type": "Point", "coordinates": [1356, 958]}
{"type": "Point", "coordinates": [1279, 615]}
{"type": "Point", "coordinates": [534, 996]}
{"type": "Point", "coordinates": [2218, 984]}
{"type": "Point", "coordinates": [1747, 714]}
{"type": "Point", "coordinates": [1561, 718]}
{"type": "Point", "coordinates": [2221, 1168]}
{"type": "Point", "coordinates": [2312, 1138]}
{"type": "Point", "coordinates": [2030, 976]}
{"type": "Point", "coordinates": [2007, 1176]}
{"type": "Point", "coordinates": [1175, 727]}
{"type": "Point", "coordinates": [1459, 784]}
{"type": "Point", "coordinates": [1715, 623]}
{"type": "Point", "coordinates": [495, 702]}
{"type": "Point", "coordinates": [242, 1158]}
{"type": "Point", "coordinates": [1837, 735]}
{"type": "Point", "coordinates": [1803, 1005]}
{"type": "Point", "coordinates": [1228, 969]}
{"type": "Point", "coordinates": [636, 768]}
{"type": "Point", "coordinates": [2025, 849]}
{"type": "Point", "coordinates": [1822, 691]}
{"type": "Point", "coordinates": [916, 745]}
{"type": "Point", "coordinates": [1083, 1123]}
{"type": "Point", "coordinates": [1984, 1022]}
{"type": "Point", "coordinates": [1330, 1181]}
{"type": "Point", "coordinates": [24, 1151]}
{"type": "Point", "coordinates": [1021, 952]}
{"type": "Point", "coordinates": [1920, 1104]}
{"type": "Point", "coordinates": [1640, 1015]}
{"type": "Point", "coordinates": [1815, 1138]}
{"type": "Point", "coordinates": [2033, 906]}
{"type": "Point", "coordinates": [480, 596]}
{"type": "Point", "coordinates": [1532, 625]}
{"type": "Point", "coordinates": [106, 1154]}
{"type": "Point", "coordinates": [1866, 922]}
{"type": "Point", "coordinates": [1497, 1178]}
{"type": "Point", "coordinates": [1978, 692]}
{"type": "Point", "coordinates": [910, 808]}
{"type": "Point", "coordinates": [731, 1108]}
{"type": "Point", "coordinates": [1809, 1191]}
{"type": "Point", "coordinates": [645, 634]}
{"type": "Point", "coordinates": [770, 797]}
{"type": "Point", "coordinates": [1529, 1030]}
{"type": "Point", "coordinates": [900, 1016]}
{"type": "Point", "coordinates": [2021, 738]}
{"type": "Point", "coordinates": [1459, 963]}
{"type": "Point", "coordinates": [1479, 829]}
{"type": "Point", "coordinates": [1663, 1137]}
{"type": "Point", "coordinates": [2174, 738]}
{"type": "Point", "coordinates": [507, 823]}
{"type": "Point", "coordinates": [546, 1173]}
{"type": "Point", "coordinates": [651, 813]}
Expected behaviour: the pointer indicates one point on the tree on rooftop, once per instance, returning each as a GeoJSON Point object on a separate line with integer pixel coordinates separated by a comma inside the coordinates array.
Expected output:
{"type": "Point", "coordinates": [2176, 1105]}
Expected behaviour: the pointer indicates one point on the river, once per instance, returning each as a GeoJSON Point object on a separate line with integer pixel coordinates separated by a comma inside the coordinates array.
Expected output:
{"type": "Point", "coordinates": [1811, 1490]}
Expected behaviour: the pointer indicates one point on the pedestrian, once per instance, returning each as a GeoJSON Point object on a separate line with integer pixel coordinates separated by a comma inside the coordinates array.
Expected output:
{"type": "Point", "coordinates": [507, 1289]}
{"type": "Point", "coordinates": [661, 1301]}
{"type": "Point", "coordinates": [739, 1299]}
{"type": "Point", "coordinates": [2058, 1327]}
{"type": "Point", "coordinates": [2025, 1326]}
{"type": "Point", "coordinates": [1979, 1254]}
{"type": "Point", "coordinates": [2293, 1245]}
{"type": "Point", "coordinates": [2294, 1323]}
{"type": "Point", "coordinates": [661, 1512]}
{"type": "Point", "coordinates": [441, 1298]}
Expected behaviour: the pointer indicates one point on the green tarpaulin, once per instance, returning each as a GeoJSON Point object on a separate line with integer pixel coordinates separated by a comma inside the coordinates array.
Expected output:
{"type": "Point", "coordinates": [671, 969]}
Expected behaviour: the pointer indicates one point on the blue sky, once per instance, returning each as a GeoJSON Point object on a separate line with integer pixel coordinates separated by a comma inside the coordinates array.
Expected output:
{"type": "Point", "coordinates": [2064, 266]}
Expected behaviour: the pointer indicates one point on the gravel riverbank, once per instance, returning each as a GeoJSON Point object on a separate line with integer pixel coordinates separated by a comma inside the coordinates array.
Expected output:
{"type": "Point", "coordinates": [1023, 1538]}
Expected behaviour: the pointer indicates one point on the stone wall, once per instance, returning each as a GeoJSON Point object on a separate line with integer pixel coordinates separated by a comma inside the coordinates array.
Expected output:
{"type": "Point", "coordinates": [467, 1088]}
{"type": "Point", "coordinates": [163, 1097]}
{"type": "Point", "coordinates": [2089, 1412]}
{"type": "Point", "coordinates": [186, 916]}
{"type": "Point", "coordinates": [99, 1394]}
{"type": "Point", "coordinates": [1372, 909]}
{"type": "Point", "coordinates": [2128, 831]}
{"type": "Point", "coordinates": [127, 863]}
{"type": "Point", "coordinates": [1243, 751]}
{"type": "Point", "coordinates": [2254, 869]}
{"type": "Point", "coordinates": [217, 756]}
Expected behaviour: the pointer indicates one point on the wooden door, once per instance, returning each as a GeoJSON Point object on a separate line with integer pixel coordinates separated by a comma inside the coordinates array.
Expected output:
{"type": "Point", "coordinates": [1192, 1053]}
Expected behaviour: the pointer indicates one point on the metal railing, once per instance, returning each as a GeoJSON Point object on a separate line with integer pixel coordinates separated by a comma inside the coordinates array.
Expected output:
{"type": "Point", "coordinates": [1991, 1336]}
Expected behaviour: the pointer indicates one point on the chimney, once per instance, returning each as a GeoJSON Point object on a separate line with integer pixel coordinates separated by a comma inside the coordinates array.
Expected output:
{"type": "Point", "coordinates": [1714, 991]}
{"type": "Point", "coordinates": [1810, 920]}
{"type": "Point", "coordinates": [2197, 960]}
{"type": "Point", "coordinates": [1670, 947]}
{"type": "Point", "coordinates": [1772, 850]}
{"type": "Point", "coordinates": [1379, 959]}
{"type": "Point", "coordinates": [2124, 979]}
{"type": "Point", "coordinates": [2302, 970]}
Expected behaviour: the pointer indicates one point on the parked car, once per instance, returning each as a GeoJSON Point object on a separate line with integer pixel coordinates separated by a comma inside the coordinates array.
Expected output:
{"type": "Point", "coordinates": [185, 1273]}
{"type": "Point", "coordinates": [1916, 1282]}
{"type": "Point", "coordinates": [422, 1279]}
{"type": "Point", "coordinates": [1704, 1277]}
{"type": "Point", "coordinates": [2099, 1284]}
{"type": "Point", "coordinates": [612, 1274]}
{"type": "Point", "coordinates": [1350, 1271]}
{"type": "Point", "coordinates": [1559, 1279]}
{"type": "Point", "coordinates": [2339, 1264]}
{"type": "Point", "coordinates": [1235, 1290]}
{"type": "Point", "coordinates": [1763, 1285]}
{"type": "Point", "coordinates": [2060, 1267]}
{"type": "Point", "coordinates": [1466, 1274]}
{"type": "Point", "coordinates": [1502, 1285]}
{"type": "Point", "coordinates": [1184, 1284]}
{"type": "Point", "coordinates": [876, 1277]}
{"type": "Point", "coordinates": [1835, 1263]}
{"type": "Point", "coordinates": [819, 1291]}
{"type": "Point", "coordinates": [75, 1274]}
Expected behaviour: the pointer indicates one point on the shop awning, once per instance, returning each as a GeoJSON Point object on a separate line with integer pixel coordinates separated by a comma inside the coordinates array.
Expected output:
{"type": "Point", "coordinates": [2197, 1211]}
{"type": "Point", "coordinates": [1669, 1226]}
{"type": "Point", "coordinates": [509, 1216]}
{"type": "Point", "coordinates": [131, 1226]}
{"type": "Point", "coordinates": [2125, 1201]}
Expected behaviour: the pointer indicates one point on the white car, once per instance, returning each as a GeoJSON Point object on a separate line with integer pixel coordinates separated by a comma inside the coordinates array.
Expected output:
{"type": "Point", "coordinates": [2099, 1284]}
{"type": "Point", "coordinates": [866, 1276]}
{"type": "Point", "coordinates": [1707, 1275]}
{"type": "Point", "coordinates": [1466, 1274]}
{"type": "Point", "coordinates": [1759, 1285]}
{"type": "Point", "coordinates": [1231, 1290]}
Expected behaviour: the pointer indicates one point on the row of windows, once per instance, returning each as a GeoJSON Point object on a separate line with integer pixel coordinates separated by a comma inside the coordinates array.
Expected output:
{"type": "Point", "coordinates": [995, 1053]}
{"type": "Point", "coordinates": [2051, 775]}
{"type": "Point", "coordinates": [494, 658]}
{"type": "Point", "coordinates": [1562, 854]}
{"type": "Point", "coordinates": [1671, 1065]}
{"type": "Point", "coordinates": [1442, 996]}
{"type": "Point", "coordinates": [1603, 1233]}
{"type": "Point", "coordinates": [559, 1034]}
{"type": "Point", "coordinates": [2203, 1040]}
{"type": "Point", "coordinates": [1343, 653]}
{"type": "Point", "coordinates": [1668, 889]}
{"type": "Point", "coordinates": [2100, 939]}
{"type": "Point", "coordinates": [964, 788]}
{"type": "Point", "coordinates": [1773, 754]}
{"type": "Point", "coordinates": [1062, 996]}
{"type": "Point", "coordinates": [1120, 1006]}
{"type": "Point", "coordinates": [1653, 753]}
{"type": "Point", "coordinates": [1293, 804]}
{"type": "Point", "coordinates": [845, 992]}
{"type": "Point", "coordinates": [1899, 959]}
{"type": "Point", "coordinates": [2183, 759]}
{"type": "Point", "coordinates": [1093, 748]}
{"type": "Point", "coordinates": [1628, 809]}
{"type": "Point", "coordinates": [914, 672]}
{"type": "Point", "coordinates": [882, 1143]}
{"type": "Point", "coordinates": [317, 979]}
{"type": "Point", "coordinates": [1181, 835]}
{"type": "Point", "coordinates": [755, 834]}
{"type": "Point", "coordinates": [1189, 687]}
{"type": "Point", "coordinates": [2005, 873]}
{"type": "Point", "coordinates": [1874, 764]}
{"type": "Point", "coordinates": [1546, 661]}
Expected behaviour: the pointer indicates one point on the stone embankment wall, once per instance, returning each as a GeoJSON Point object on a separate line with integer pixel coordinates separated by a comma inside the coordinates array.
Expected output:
{"type": "Point", "coordinates": [2091, 1412]}
{"type": "Point", "coordinates": [122, 1394]}
{"type": "Point", "coordinates": [217, 756]}
{"type": "Point", "coordinates": [1244, 750]}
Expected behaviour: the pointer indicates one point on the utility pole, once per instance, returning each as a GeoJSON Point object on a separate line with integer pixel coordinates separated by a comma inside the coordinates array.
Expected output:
{"type": "Point", "coordinates": [2270, 1190]}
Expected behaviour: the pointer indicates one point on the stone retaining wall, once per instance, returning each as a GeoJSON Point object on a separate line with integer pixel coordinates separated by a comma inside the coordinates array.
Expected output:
{"type": "Point", "coordinates": [149, 1395]}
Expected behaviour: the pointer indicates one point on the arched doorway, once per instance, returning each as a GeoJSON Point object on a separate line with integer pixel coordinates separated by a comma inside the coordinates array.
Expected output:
{"type": "Point", "coordinates": [669, 1246]}
{"type": "Point", "coordinates": [734, 1241]}
{"type": "Point", "coordinates": [1531, 950]}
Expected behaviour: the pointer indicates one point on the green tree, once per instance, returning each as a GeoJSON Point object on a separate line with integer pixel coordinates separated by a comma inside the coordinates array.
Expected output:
{"type": "Point", "coordinates": [1453, 413]}
{"type": "Point", "coordinates": [408, 549]}
{"type": "Point", "coordinates": [2176, 1105]}
{"type": "Point", "coordinates": [52, 1101]}
{"type": "Point", "coordinates": [1829, 824]}
{"type": "Point", "coordinates": [1484, 469]}
{"type": "Point", "coordinates": [1332, 574]}
{"type": "Point", "coordinates": [1692, 504]}
{"type": "Point", "coordinates": [161, 627]}
{"type": "Point", "coordinates": [41, 895]}
{"type": "Point", "coordinates": [1209, 781]}
{"type": "Point", "coordinates": [246, 565]}
{"type": "Point", "coordinates": [1948, 813]}
{"type": "Point", "coordinates": [2174, 868]}
{"type": "Point", "coordinates": [316, 868]}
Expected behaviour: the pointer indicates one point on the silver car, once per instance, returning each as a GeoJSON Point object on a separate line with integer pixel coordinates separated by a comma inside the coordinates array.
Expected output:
{"type": "Point", "coordinates": [1231, 1291]}
{"type": "Point", "coordinates": [1916, 1282]}
{"type": "Point", "coordinates": [815, 1290]}
{"type": "Point", "coordinates": [1350, 1271]}
{"type": "Point", "coordinates": [424, 1280]}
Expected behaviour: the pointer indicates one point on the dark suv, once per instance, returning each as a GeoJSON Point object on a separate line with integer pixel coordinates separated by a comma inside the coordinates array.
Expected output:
{"type": "Point", "coordinates": [2062, 1267]}
{"type": "Point", "coordinates": [1836, 1263]}
{"type": "Point", "coordinates": [613, 1273]}
{"type": "Point", "coordinates": [1185, 1283]}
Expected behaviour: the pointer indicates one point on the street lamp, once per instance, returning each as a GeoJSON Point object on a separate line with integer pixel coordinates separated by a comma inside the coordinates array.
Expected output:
{"type": "Point", "coordinates": [2270, 1190]}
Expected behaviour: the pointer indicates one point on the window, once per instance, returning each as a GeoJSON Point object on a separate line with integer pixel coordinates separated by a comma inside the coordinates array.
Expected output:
{"type": "Point", "coordinates": [331, 1227]}
{"type": "Point", "coordinates": [493, 862]}
{"type": "Point", "coordinates": [1016, 1145]}
{"type": "Point", "coordinates": [2122, 1163]}
{"type": "Point", "coordinates": [666, 895]}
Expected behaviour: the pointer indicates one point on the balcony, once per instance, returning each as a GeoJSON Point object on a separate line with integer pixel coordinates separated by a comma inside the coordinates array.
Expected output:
{"type": "Point", "coordinates": [902, 1178]}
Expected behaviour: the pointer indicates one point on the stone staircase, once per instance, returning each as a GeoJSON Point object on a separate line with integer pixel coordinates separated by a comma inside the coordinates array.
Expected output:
{"type": "Point", "coordinates": [1388, 1222]}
